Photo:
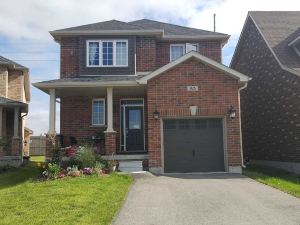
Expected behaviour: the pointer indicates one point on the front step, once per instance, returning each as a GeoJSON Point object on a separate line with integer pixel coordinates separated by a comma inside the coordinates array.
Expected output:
{"type": "Point", "coordinates": [131, 166]}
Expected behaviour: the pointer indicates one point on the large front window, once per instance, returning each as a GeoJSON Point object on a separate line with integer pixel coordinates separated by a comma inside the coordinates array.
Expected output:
{"type": "Point", "coordinates": [107, 53]}
{"type": "Point", "coordinates": [98, 109]}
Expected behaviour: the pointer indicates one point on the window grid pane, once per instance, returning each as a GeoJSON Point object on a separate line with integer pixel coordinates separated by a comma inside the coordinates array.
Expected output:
{"type": "Point", "coordinates": [107, 53]}
{"type": "Point", "coordinates": [121, 53]}
{"type": "Point", "coordinates": [98, 112]}
{"type": "Point", "coordinates": [93, 53]}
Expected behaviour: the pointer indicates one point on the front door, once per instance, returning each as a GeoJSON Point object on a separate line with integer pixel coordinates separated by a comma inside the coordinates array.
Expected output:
{"type": "Point", "coordinates": [133, 129]}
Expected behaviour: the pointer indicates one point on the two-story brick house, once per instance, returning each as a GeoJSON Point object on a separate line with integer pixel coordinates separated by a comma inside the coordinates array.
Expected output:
{"type": "Point", "coordinates": [157, 90]}
{"type": "Point", "coordinates": [269, 52]}
{"type": "Point", "coordinates": [14, 99]}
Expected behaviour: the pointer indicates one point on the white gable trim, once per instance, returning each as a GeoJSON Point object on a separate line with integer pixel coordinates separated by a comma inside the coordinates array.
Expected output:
{"type": "Point", "coordinates": [207, 61]}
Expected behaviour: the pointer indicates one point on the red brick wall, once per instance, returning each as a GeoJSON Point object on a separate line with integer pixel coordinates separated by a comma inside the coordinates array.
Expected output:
{"type": "Point", "coordinates": [145, 54]}
{"type": "Point", "coordinates": [168, 94]}
{"type": "Point", "coordinates": [270, 104]}
{"type": "Point", "coordinates": [69, 57]}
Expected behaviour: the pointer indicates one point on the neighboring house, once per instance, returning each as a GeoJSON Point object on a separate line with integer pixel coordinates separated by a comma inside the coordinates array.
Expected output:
{"type": "Point", "coordinates": [269, 52]}
{"type": "Point", "coordinates": [157, 90]}
{"type": "Point", "coordinates": [14, 99]}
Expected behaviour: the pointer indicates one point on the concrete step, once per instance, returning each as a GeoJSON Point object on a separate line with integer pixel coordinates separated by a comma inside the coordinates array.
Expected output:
{"type": "Point", "coordinates": [131, 166]}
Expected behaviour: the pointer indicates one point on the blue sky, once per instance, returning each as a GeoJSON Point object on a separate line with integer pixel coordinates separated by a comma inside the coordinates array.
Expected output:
{"type": "Point", "coordinates": [24, 30]}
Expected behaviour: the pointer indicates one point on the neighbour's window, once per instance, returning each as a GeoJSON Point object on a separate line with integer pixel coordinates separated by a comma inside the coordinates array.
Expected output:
{"type": "Point", "coordinates": [178, 50]}
{"type": "Point", "coordinates": [107, 53]}
{"type": "Point", "coordinates": [98, 109]}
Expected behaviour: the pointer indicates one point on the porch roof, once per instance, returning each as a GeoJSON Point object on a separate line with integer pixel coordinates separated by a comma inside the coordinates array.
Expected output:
{"type": "Point", "coordinates": [9, 103]}
{"type": "Point", "coordinates": [93, 85]}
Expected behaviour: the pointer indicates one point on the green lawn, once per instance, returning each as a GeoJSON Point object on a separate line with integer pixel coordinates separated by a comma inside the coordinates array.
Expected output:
{"type": "Point", "coordinates": [83, 200]}
{"type": "Point", "coordinates": [282, 180]}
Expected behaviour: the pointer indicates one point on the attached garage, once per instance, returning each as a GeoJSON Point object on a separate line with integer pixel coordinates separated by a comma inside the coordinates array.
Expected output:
{"type": "Point", "coordinates": [193, 145]}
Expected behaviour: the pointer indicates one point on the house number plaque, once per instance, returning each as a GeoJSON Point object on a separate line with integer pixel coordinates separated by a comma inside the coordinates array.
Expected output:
{"type": "Point", "coordinates": [192, 88]}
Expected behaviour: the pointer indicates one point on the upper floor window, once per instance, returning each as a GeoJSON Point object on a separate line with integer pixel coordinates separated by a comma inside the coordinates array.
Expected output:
{"type": "Point", "coordinates": [107, 53]}
{"type": "Point", "coordinates": [178, 50]}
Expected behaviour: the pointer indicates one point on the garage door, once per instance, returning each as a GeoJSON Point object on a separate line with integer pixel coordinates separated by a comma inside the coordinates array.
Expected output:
{"type": "Point", "coordinates": [193, 145]}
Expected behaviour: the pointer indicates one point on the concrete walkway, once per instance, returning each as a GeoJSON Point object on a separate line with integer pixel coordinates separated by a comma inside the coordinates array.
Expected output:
{"type": "Point", "coordinates": [215, 199]}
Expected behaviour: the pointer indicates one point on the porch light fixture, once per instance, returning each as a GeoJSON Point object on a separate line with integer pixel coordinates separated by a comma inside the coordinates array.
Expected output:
{"type": "Point", "coordinates": [193, 110]}
{"type": "Point", "coordinates": [231, 112]}
{"type": "Point", "coordinates": [156, 114]}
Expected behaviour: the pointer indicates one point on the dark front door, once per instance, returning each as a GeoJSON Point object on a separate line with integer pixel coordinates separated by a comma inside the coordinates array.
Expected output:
{"type": "Point", "coordinates": [193, 145]}
{"type": "Point", "coordinates": [134, 128]}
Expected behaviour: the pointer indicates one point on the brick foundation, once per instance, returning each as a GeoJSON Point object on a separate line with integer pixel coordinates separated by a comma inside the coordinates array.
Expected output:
{"type": "Point", "coordinates": [16, 146]}
{"type": "Point", "coordinates": [110, 143]}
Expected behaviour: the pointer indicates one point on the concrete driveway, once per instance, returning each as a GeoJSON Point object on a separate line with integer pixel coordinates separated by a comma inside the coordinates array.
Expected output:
{"type": "Point", "coordinates": [225, 199]}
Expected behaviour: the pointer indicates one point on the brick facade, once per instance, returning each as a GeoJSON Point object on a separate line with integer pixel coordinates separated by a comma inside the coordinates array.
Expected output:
{"type": "Point", "coordinates": [168, 94]}
{"type": "Point", "coordinates": [270, 104]}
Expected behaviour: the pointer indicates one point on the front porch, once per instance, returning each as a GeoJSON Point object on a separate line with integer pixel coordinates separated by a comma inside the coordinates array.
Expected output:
{"type": "Point", "coordinates": [120, 132]}
{"type": "Point", "coordinates": [11, 131]}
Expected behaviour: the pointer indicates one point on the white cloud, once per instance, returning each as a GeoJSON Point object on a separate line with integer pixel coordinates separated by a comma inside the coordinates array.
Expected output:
{"type": "Point", "coordinates": [25, 24]}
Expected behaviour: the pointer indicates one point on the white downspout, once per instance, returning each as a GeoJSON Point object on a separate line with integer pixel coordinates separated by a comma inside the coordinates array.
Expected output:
{"type": "Point", "coordinates": [240, 121]}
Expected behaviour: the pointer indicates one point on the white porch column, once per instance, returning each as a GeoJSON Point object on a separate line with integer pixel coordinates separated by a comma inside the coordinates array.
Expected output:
{"type": "Point", "coordinates": [1, 121]}
{"type": "Point", "coordinates": [109, 110]}
{"type": "Point", "coordinates": [52, 111]}
{"type": "Point", "coordinates": [16, 122]}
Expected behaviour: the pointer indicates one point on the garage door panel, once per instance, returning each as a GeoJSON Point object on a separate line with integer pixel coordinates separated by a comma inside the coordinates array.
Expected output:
{"type": "Point", "coordinates": [193, 145]}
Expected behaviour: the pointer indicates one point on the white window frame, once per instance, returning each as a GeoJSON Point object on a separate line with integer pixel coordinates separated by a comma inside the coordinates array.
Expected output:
{"type": "Point", "coordinates": [104, 111]}
{"type": "Point", "coordinates": [114, 41]}
{"type": "Point", "coordinates": [184, 47]}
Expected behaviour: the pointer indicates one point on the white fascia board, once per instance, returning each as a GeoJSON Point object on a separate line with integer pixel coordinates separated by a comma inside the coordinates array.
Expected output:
{"type": "Point", "coordinates": [207, 61]}
{"type": "Point", "coordinates": [85, 84]}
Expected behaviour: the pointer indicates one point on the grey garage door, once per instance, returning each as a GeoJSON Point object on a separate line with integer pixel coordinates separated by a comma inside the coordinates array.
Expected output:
{"type": "Point", "coordinates": [193, 145]}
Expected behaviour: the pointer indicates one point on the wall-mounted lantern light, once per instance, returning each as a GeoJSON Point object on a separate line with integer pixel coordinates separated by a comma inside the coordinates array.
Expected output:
{"type": "Point", "coordinates": [156, 114]}
{"type": "Point", "coordinates": [193, 110]}
{"type": "Point", "coordinates": [231, 112]}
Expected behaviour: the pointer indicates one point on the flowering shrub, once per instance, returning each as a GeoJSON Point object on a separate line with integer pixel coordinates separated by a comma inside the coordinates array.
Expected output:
{"type": "Point", "coordinates": [71, 151]}
{"type": "Point", "coordinates": [73, 171]}
{"type": "Point", "coordinates": [52, 171]}
{"type": "Point", "coordinates": [85, 156]}
{"type": "Point", "coordinates": [87, 171]}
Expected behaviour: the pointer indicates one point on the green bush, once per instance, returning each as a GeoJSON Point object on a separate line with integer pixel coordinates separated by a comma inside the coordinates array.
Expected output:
{"type": "Point", "coordinates": [52, 171]}
{"type": "Point", "coordinates": [85, 157]}
{"type": "Point", "coordinates": [56, 158]}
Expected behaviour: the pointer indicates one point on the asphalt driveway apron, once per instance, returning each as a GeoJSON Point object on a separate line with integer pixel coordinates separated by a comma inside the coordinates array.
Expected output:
{"type": "Point", "coordinates": [225, 199]}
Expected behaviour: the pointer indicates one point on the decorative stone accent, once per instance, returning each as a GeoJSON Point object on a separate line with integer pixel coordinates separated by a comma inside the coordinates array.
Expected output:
{"type": "Point", "coordinates": [110, 143]}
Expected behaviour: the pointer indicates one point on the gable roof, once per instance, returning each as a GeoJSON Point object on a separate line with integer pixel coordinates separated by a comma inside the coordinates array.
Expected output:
{"type": "Point", "coordinates": [16, 66]}
{"type": "Point", "coordinates": [11, 64]}
{"type": "Point", "coordinates": [279, 29]}
{"type": "Point", "coordinates": [207, 61]}
{"type": "Point", "coordinates": [140, 27]}
{"type": "Point", "coordinates": [172, 29]}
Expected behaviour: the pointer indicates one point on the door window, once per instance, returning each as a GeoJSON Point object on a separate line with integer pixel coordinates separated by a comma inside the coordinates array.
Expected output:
{"type": "Point", "coordinates": [134, 119]}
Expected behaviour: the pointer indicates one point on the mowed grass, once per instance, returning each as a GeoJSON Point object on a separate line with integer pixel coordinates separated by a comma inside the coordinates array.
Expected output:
{"type": "Point", "coordinates": [280, 179]}
{"type": "Point", "coordinates": [82, 200]}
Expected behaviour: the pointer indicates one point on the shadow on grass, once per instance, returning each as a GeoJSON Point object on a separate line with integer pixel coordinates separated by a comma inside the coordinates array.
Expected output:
{"type": "Point", "coordinates": [16, 176]}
